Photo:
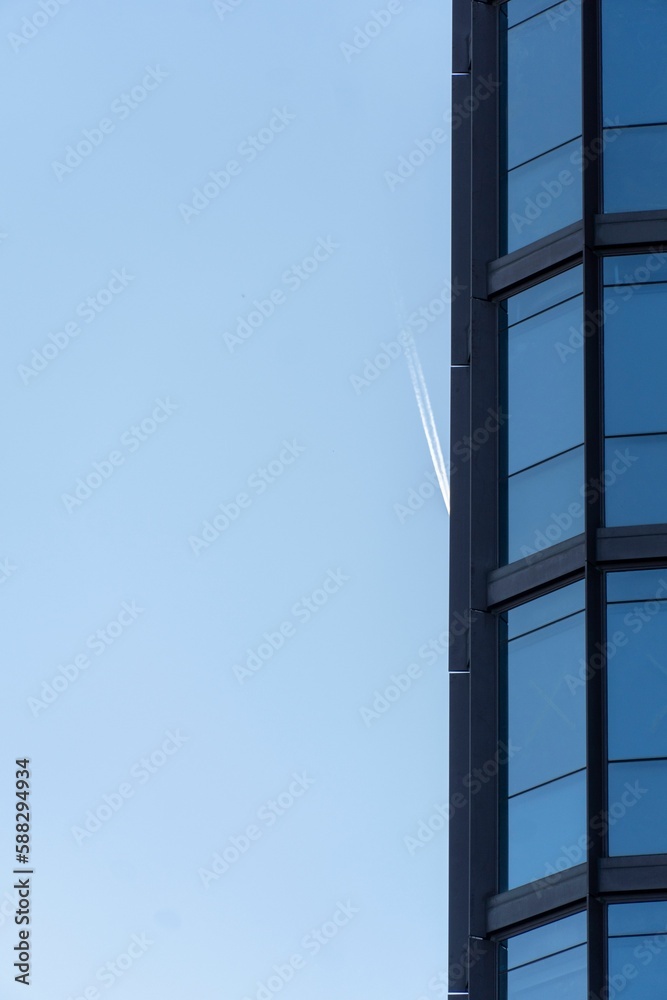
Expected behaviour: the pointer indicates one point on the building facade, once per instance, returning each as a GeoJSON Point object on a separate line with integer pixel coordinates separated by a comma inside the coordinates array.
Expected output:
{"type": "Point", "coordinates": [558, 794]}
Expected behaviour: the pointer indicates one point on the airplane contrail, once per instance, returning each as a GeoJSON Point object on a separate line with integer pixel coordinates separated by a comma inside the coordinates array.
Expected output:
{"type": "Point", "coordinates": [428, 419]}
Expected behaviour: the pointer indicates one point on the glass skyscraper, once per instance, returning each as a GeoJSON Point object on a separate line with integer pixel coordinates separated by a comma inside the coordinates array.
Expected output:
{"type": "Point", "coordinates": [558, 797]}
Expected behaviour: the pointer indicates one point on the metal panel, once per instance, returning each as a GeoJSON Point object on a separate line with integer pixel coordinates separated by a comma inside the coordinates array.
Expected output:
{"type": "Point", "coordinates": [459, 830]}
{"type": "Point", "coordinates": [531, 904]}
{"type": "Point", "coordinates": [545, 257]}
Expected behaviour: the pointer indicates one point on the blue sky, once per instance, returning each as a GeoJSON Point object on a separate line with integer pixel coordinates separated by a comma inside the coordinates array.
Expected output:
{"type": "Point", "coordinates": [124, 377]}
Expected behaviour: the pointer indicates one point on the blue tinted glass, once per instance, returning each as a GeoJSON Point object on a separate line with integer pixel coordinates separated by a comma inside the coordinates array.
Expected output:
{"type": "Point", "coordinates": [545, 504]}
{"type": "Point", "coordinates": [545, 386]}
{"type": "Point", "coordinates": [636, 268]}
{"type": "Point", "coordinates": [635, 398]}
{"type": "Point", "coordinates": [635, 166]}
{"type": "Point", "coordinates": [544, 195]}
{"type": "Point", "coordinates": [638, 493]}
{"type": "Point", "coordinates": [519, 10]}
{"type": "Point", "coordinates": [637, 918]}
{"type": "Point", "coordinates": [543, 101]}
{"type": "Point", "coordinates": [561, 977]}
{"type": "Point", "coordinates": [546, 704]}
{"type": "Point", "coordinates": [634, 60]}
{"type": "Point", "coordinates": [543, 610]}
{"type": "Point", "coordinates": [640, 585]}
{"type": "Point", "coordinates": [647, 961]}
{"type": "Point", "coordinates": [546, 940]}
{"type": "Point", "coordinates": [546, 294]}
{"type": "Point", "coordinates": [637, 679]}
{"type": "Point", "coordinates": [640, 788]}
{"type": "Point", "coordinates": [546, 830]}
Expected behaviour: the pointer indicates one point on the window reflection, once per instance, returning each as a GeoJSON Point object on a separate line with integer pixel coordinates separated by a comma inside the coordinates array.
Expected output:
{"type": "Point", "coordinates": [638, 950]}
{"type": "Point", "coordinates": [543, 395]}
{"type": "Point", "coordinates": [543, 108]}
{"type": "Point", "coordinates": [637, 711]}
{"type": "Point", "coordinates": [545, 728]}
{"type": "Point", "coordinates": [548, 963]}
{"type": "Point", "coordinates": [635, 410]}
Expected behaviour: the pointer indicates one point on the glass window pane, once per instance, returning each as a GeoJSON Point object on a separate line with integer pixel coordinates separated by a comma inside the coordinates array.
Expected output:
{"type": "Point", "coordinates": [519, 10]}
{"type": "Point", "coordinates": [545, 504]}
{"type": "Point", "coordinates": [635, 361]}
{"type": "Point", "coordinates": [544, 195]}
{"type": "Point", "coordinates": [639, 585]}
{"type": "Point", "coordinates": [546, 294]}
{"type": "Point", "coordinates": [546, 704]}
{"type": "Point", "coordinates": [634, 60]}
{"type": "Point", "coordinates": [637, 494]}
{"type": "Point", "coordinates": [630, 269]}
{"type": "Point", "coordinates": [558, 604]}
{"type": "Point", "coordinates": [641, 788]}
{"type": "Point", "coordinates": [546, 940]}
{"type": "Point", "coordinates": [546, 829]}
{"type": "Point", "coordinates": [543, 100]}
{"type": "Point", "coordinates": [635, 167]}
{"type": "Point", "coordinates": [637, 679]}
{"type": "Point", "coordinates": [637, 918]}
{"type": "Point", "coordinates": [545, 388]}
{"type": "Point", "coordinates": [561, 977]}
{"type": "Point", "coordinates": [638, 967]}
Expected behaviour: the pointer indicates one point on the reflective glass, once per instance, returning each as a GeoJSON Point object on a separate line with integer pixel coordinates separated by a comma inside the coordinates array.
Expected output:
{"type": "Point", "coordinates": [636, 268]}
{"type": "Point", "coordinates": [637, 918]}
{"type": "Point", "coordinates": [543, 100]}
{"type": "Point", "coordinates": [637, 679]}
{"type": "Point", "coordinates": [639, 966]}
{"type": "Point", "coordinates": [634, 60]}
{"type": "Point", "coordinates": [546, 829]}
{"type": "Point", "coordinates": [635, 167]}
{"type": "Point", "coordinates": [546, 704]}
{"type": "Point", "coordinates": [559, 977]}
{"type": "Point", "coordinates": [635, 361]}
{"type": "Point", "coordinates": [519, 10]}
{"type": "Point", "coordinates": [637, 585]}
{"type": "Point", "coordinates": [544, 195]}
{"type": "Point", "coordinates": [545, 387]}
{"type": "Point", "coordinates": [534, 614]}
{"type": "Point", "coordinates": [637, 475]}
{"type": "Point", "coordinates": [545, 294]}
{"type": "Point", "coordinates": [545, 504]}
{"type": "Point", "coordinates": [638, 789]}
{"type": "Point", "coordinates": [546, 940]}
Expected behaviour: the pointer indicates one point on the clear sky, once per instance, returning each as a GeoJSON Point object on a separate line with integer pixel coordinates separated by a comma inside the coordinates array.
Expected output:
{"type": "Point", "coordinates": [209, 565]}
